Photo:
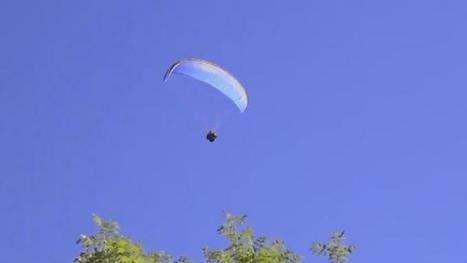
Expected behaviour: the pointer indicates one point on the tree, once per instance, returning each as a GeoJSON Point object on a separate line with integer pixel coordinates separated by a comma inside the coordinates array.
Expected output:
{"type": "Point", "coordinates": [334, 249]}
{"type": "Point", "coordinates": [109, 246]}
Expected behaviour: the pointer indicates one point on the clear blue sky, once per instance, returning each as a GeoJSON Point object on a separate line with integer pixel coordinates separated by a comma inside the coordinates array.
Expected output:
{"type": "Point", "coordinates": [357, 121]}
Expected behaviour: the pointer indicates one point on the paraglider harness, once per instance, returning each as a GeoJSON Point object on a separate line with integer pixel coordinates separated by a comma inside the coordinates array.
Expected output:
{"type": "Point", "coordinates": [211, 136]}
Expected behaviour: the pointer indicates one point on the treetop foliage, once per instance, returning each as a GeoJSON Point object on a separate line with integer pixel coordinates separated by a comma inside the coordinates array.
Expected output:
{"type": "Point", "coordinates": [109, 246]}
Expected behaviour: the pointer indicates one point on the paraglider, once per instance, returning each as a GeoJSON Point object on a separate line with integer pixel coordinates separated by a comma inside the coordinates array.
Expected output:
{"type": "Point", "coordinates": [216, 77]}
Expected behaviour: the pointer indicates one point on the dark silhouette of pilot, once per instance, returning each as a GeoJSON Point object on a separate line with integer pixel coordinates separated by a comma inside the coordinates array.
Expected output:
{"type": "Point", "coordinates": [211, 136]}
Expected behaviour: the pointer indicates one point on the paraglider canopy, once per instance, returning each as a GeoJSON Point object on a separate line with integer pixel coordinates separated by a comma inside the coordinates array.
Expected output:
{"type": "Point", "coordinates": [213, 75]}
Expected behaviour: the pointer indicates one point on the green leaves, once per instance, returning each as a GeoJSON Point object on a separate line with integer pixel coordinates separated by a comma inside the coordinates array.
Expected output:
{"type": "Point", "coordinates": [109, 246]}
{"type": "Point", "coordinates": [334, 249]}
{"type": "Point", "coordinates": [245, 247]}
